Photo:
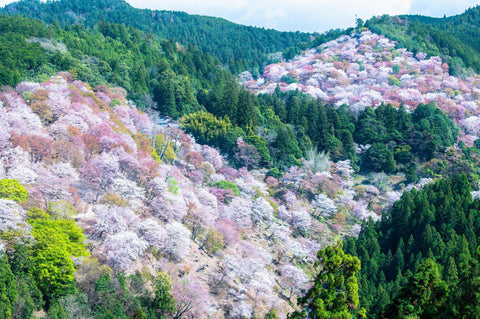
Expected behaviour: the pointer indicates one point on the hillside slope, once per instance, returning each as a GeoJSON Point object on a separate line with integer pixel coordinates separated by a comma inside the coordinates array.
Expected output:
{"type": "Point", "coordinates": [454, 39]}
{"type": "Point", "coordinates": [236, 46]}
{"type": "Point", "coordinates": [236, 243]}
{"type": "Point", "coordinates": [367, 69]}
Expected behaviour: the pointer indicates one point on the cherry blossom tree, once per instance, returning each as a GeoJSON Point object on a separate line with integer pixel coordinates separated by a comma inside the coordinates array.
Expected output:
{"type": "Point", "coordinates": [193, 299]}
{"type": "Point", "coordinates": [169, 206]}
{"type": "Point", "coordinates": [112, 220]}
{"type": "Point", "coordinates": [176, 244]}
{"type": "Point", "coordinates": [12, 217]}
{"type": "Point", "coordinates": [324, 205]}
{"type": "Point", "coordinates": [261, 210]}
{"type": "Point", "coordinates": [301, 221]}
{"type": "Point", "coordinates": [229, 229]}
{"type": "Point", "coordinates": [99, 173]}
{"type": "Point", "coordinates": [122, 249]}
{"type": "Point", "coordinates": [152, 232]}
{"type": "Point", "coordinates": [293, 280]}
{"type": "Point", "coordinates": [239, 210]}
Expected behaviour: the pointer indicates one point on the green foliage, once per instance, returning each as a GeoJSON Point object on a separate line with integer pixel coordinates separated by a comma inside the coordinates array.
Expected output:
{"type": "Point", "coordinates": [173, 185]}
{"type": "Point", "coordinates": [13, 190]}
{"type": "Point", "coordinates": [425, 295]}
{"type": "Point", "coordinates": [435, 223]}
{"type": "Point", "coordinates": [316, 161]}
{"type": "Point", "coordinates": [139, 314]}
{"type": "Point", "coordinates": [207, 128]}
{"type": "Point", "coordinates": [217, 36]}
{"type": "Point", "coordinates": [29, 297]}
{"type": "Point", "coordinates": [164, 148]}
{"type": "Point", "coordinates": [115, 102]}
{"type": "Point", "coordinates": [8, 289]}
{"type": "Point", "coordinates": [61, 210]}
{"type": "Point", "coordinates": [379, 158]}
{"type": "Point", "coordinates": [56, 242]}
{"type": "Point", "coordinates": [335, 291]}
{"type": "Point", "coordinates": [17, 56]}
{"type": "Point", "coordinates": [288, 80]}
{"type": "Point", "coordinates": [224, 184]}
{"type": "Point", "coordinates": [272, 314]}
{"type": "Point", "coordinates": [56, 311]}
{"type": "Point", "coordinates": [164, 303]}
{"type": "Point", "coordinates": [465, 296]}
{"type": "Point", "coordinates": [433, 132]}
{"type": "Point", "coordinates": [398, 137]}
{"type": "Point", "coordinates": [109, 297]}
{"type": "Point", "coordinates": [213, 242]}
{"type": "Point", "coordinates": [260, 145]}
{"type": "Point", "coordinates": [392, 80]}
{"type": "Point", "coordinates": [36, 213]}
{"type": "Point", "coordinates": [274, 172]}
{"type": "Point", "coordinates": [395, 69]}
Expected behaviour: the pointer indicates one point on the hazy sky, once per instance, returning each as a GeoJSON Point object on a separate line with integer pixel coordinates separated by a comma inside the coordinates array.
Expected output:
{"type": "Point", "coordinates": [304, 15]}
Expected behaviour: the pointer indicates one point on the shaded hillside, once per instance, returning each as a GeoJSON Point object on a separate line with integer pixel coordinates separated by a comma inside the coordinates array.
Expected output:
{"type": "Point", "coordinates": [455, 39]}
{"type": "Point", "coordinates": [237, 46]}
{"type": "Point", "coordinates": [465, 27]}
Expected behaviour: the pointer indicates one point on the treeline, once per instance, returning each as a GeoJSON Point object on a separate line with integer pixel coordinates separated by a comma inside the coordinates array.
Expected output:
{"type": "Point", "coordinates": [454, 39]}
{"type": "Point", "coordinates": [399, 139]}
{"type": "Point", "coordinates": [238, 47]}
{"type": "Point", "coordinates": [422, 259]}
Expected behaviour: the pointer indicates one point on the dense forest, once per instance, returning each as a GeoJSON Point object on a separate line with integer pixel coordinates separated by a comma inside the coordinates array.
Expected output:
{"type": "Point", "coordinates": [422, 259]}
{"type": "Point", "coordinates": [216, 36]}
{"type": "Point", "coordinates": [455, 39]}
{"type": "Point", "coordinates": [116, 188]}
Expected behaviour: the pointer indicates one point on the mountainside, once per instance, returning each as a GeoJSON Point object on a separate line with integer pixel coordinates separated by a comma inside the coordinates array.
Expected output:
{"type": "Point", "coordinates": [236, 46]}
{"type": "Point", "coordinates": [236, 243]}
{"type": "Point", "coordinates": [366, 70]}
{"type": "Point", "coordinates": [464, 27]}
{"type": "Point", "coordinates": [455, 39]}
{"type": "Point", "coordinates": [109, 210]}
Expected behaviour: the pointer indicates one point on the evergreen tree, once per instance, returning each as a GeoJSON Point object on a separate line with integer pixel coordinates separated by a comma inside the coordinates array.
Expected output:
{"type": "Point", "coordinates": [335, 291]}
{"type": "Point", "coordinates": [425, 295]}
{"type": "Point", "coordinates": [8, 289]}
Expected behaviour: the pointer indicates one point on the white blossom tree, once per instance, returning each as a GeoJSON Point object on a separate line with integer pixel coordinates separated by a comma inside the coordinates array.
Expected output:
{"type": "Point", "coordinates": [122, 249]}
{"type": "Point", "coordinates": [176, 244]}
{"type": "Point", "coordinates": [293, 280]}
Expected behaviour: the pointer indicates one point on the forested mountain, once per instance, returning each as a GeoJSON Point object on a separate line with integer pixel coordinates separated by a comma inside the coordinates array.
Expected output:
{"type": "Point", "coordinates": [377, 99]}
{"type": "Point", "coordinates": [146, 222]}
{"type": "Point", "coordinates": [281, 128]}
{"type": "Point", "coordinates": [237, 47]}
{"type": "Point", "coordinates": [173, 191]}
{"type": "Point", "coordinates": [455, 39]}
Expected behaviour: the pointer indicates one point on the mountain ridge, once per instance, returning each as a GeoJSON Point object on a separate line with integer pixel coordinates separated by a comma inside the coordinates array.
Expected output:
{"type": "Point", "coordinates": [200, 31]}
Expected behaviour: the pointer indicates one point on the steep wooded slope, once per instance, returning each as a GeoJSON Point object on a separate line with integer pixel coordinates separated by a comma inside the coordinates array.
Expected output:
{"type": "Point", "coordinates": [236, 243]}
{"type": "Point", "coordinates": [236, 46]}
